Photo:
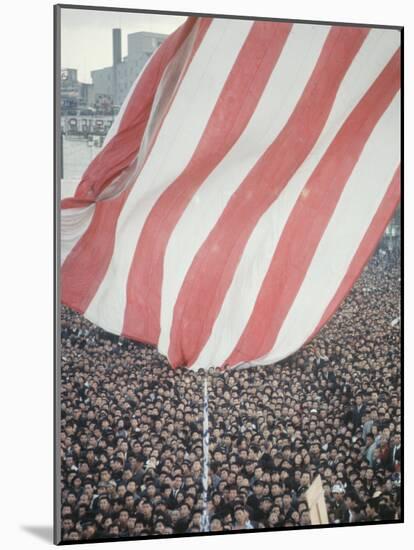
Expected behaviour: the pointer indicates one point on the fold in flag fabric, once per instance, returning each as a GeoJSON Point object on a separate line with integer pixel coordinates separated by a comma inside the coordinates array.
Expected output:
{"type": "Point", "coordinates": [243, 186]}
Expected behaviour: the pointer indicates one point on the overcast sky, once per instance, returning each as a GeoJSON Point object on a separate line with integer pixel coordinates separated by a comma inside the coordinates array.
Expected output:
{"type": "Point", "coordinates": [87, 35]}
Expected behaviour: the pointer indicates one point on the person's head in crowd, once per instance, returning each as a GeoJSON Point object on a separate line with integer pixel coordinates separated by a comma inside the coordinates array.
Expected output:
{"type": "Point", "coordinates": [216, 524]}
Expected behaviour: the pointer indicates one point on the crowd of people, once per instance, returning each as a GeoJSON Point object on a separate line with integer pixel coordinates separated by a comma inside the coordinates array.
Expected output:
{"type": "Point", "coordinates": [131, 428]}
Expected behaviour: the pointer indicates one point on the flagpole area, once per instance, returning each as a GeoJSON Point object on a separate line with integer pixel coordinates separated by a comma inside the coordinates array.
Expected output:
{"type": "Point", "coordinates": [205, 520]}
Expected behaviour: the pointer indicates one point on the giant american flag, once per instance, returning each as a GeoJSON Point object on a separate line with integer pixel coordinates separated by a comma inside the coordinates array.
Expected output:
{"type": "Point", "coordinates": [240, 191]}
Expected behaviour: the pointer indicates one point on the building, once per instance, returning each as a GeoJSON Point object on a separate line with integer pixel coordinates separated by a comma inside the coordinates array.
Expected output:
{"type": "Point", "coordinates": [74, 95]}
{"type": "Point", "coordinates": [111, 84]}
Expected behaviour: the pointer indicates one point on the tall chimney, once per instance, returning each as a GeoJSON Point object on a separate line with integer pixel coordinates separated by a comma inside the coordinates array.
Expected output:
{"type": "Point", "coordinates": [116, 46]}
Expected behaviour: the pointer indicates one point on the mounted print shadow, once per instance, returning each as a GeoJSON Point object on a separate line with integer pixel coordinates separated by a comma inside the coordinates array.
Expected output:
{"type": "Point", "coordinates": [228, 265]}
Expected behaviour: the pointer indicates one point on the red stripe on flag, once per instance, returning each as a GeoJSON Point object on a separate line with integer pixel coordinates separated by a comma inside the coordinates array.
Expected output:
{"type": "Point", "coordinates": [87, 263]}
{"type": "Point", "coordinates": [310, 217]}
{"type": "Point", "coordinates": [213, 268]}
{"type": "Point", "coordinates": [366, 248]}
{"type": "Point", "coordinates": [246, 81]}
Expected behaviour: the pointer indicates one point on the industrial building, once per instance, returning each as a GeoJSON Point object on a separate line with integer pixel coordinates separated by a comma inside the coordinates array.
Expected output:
{"type": "Point", "coordinates": [113, 83]}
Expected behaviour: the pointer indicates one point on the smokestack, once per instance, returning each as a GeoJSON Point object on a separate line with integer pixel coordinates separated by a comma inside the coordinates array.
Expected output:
{"type": "Point", "coordinates": [116, 46]}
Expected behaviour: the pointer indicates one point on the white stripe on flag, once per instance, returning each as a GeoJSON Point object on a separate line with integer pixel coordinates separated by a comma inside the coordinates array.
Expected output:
{"type": "Point", "coordinates": [73, 224]}
{"type": "Point", "coordinates": [169, 84]}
